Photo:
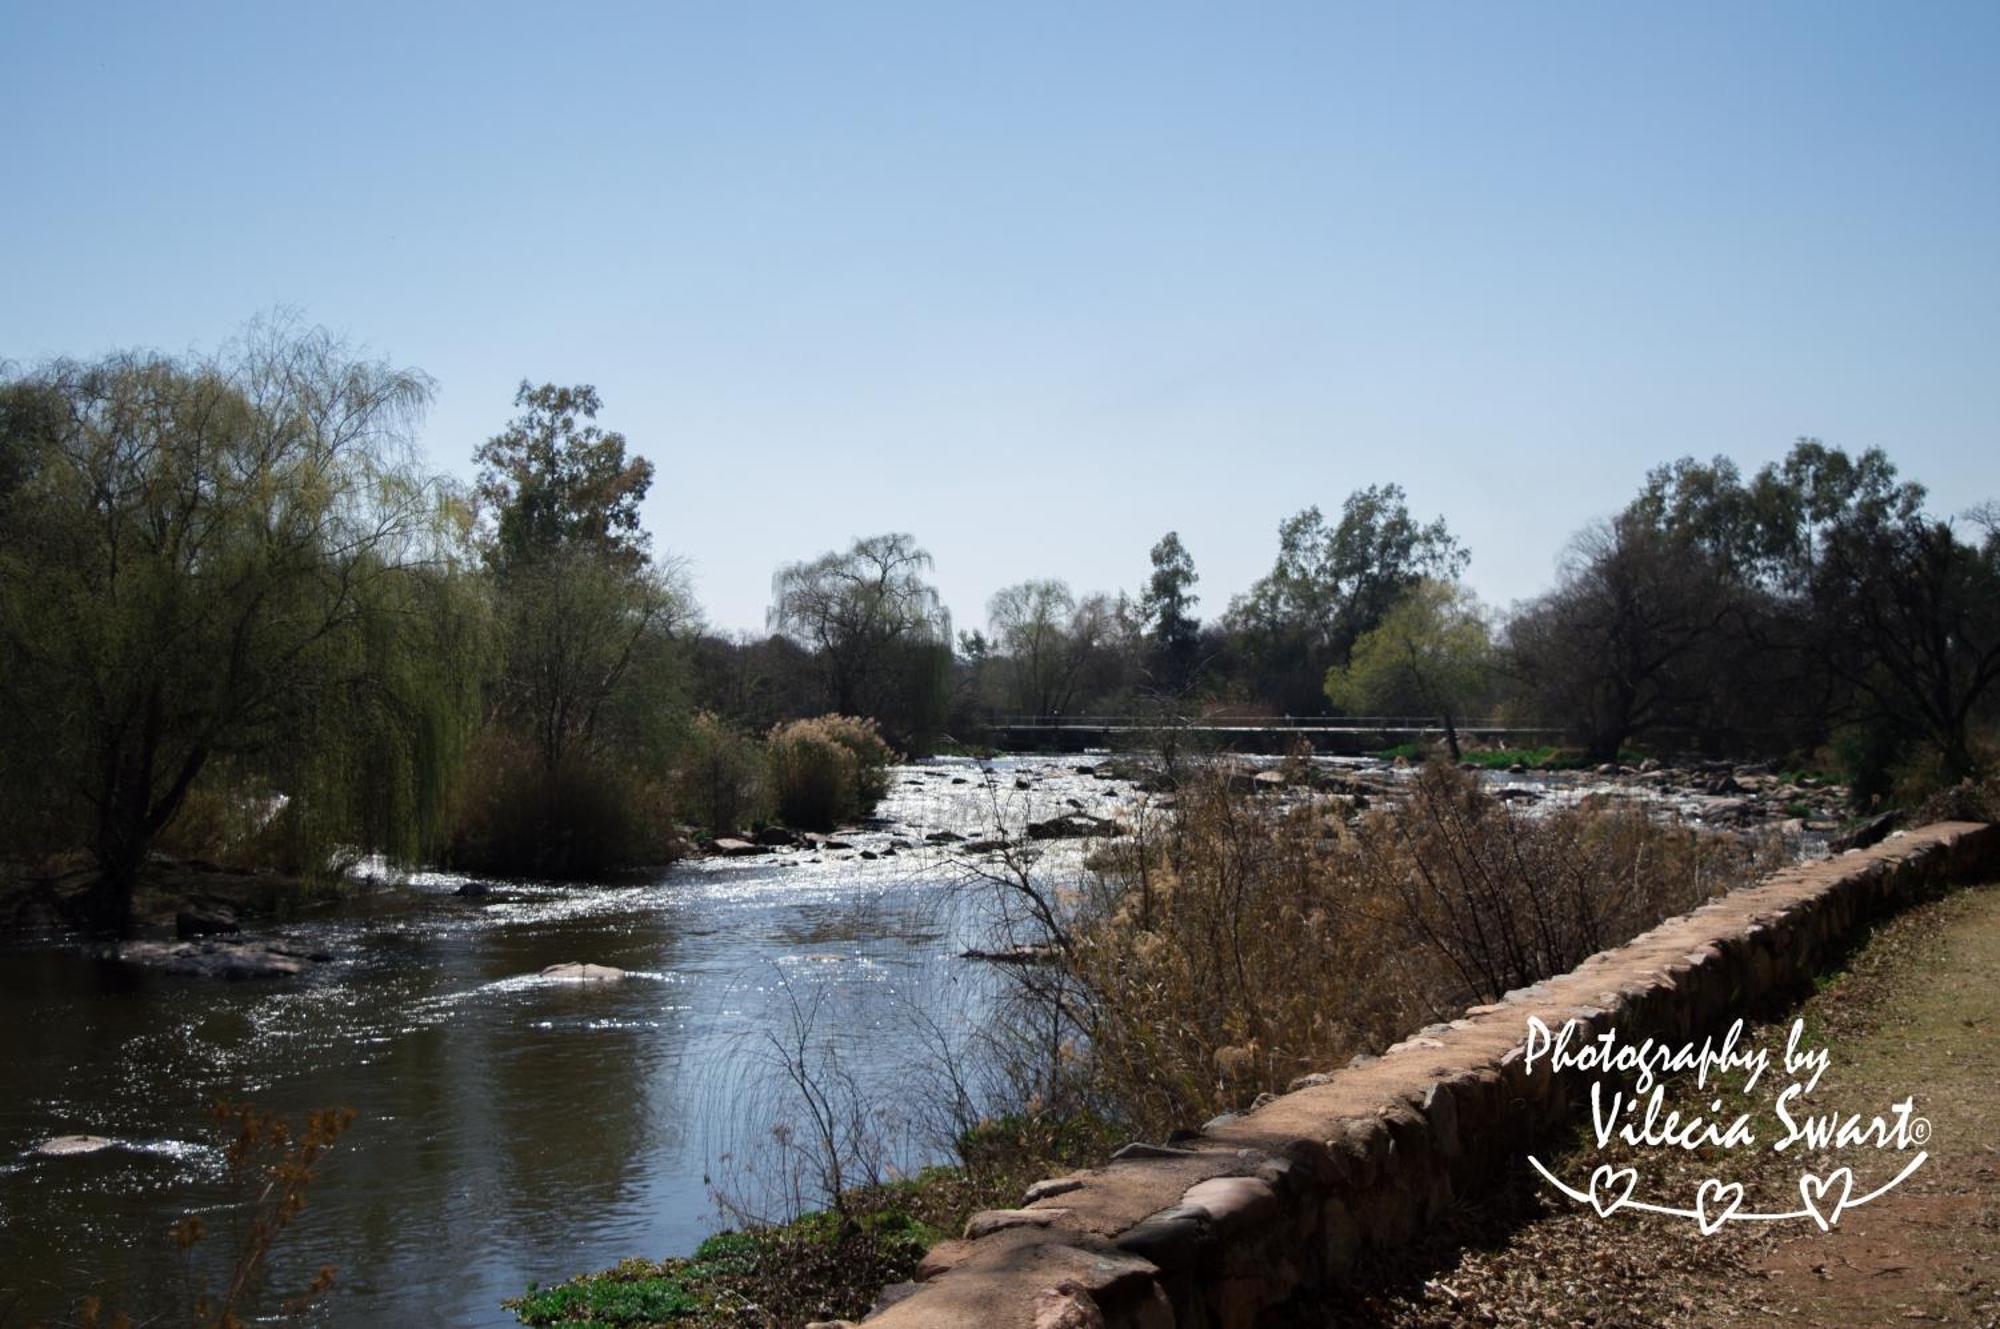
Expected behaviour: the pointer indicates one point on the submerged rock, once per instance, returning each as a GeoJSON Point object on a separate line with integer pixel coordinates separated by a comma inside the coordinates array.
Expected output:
{"type": "Point", "coordinates": [575, 972]}
{"type": "Point", "coordinates": [218, 959]}
{"type": "Point", "coordinates": [1024, 954]}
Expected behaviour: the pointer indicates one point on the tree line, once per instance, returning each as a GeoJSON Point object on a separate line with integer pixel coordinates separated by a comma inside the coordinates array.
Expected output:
{"type": "Point", "coordinates": [235, 609]}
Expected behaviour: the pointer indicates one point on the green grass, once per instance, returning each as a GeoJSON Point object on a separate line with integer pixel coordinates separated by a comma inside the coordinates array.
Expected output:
{"type": "Point", "coordinates": [608, 1299]}
{"type": "Point", "coordinates": [812, 1260]}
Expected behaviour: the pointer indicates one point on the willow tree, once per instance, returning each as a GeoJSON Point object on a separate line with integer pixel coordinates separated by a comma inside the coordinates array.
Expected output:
{"type": "Point", "coordinates": [877, 629]}
{"type": "Point", "coordinates": [228, 567]}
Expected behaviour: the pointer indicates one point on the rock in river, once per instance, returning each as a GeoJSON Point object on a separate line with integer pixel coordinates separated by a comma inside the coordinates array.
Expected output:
{"type": "Point", "coordinates": [1071, 826]}
{"type": "Point", "coordinates": [74, 1144]}
{"type": "Point", "coordinates": [218, 959]}
{"type": "Point", "coordinates": [573, 972]}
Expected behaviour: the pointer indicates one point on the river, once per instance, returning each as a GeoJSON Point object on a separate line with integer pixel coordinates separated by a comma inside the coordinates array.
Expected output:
{"type": "Point", "coordinates": [508, 1128]}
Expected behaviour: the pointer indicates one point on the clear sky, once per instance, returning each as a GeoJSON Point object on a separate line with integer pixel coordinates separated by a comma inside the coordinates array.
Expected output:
{"type": "Point", "coordinates": [1038, 283]}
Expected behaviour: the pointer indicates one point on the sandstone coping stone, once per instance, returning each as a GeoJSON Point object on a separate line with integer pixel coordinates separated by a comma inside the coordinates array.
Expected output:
{"type": "Point", "coordinates": [993, 1220]}
{"type": "Point", "coordinates": [1220, 1228]}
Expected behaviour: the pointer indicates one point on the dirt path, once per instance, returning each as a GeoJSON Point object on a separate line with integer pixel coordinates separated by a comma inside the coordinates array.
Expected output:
{"type": "Point", "coordinates": [1915, 1013]}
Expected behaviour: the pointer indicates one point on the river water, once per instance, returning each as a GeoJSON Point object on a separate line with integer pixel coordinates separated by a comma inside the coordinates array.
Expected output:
{"type": "Point", "coordinates": [508, 1128]}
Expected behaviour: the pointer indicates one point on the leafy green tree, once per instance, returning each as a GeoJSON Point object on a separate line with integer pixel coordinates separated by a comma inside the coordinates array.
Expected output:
{"type": "Point", "coordinates": [583, 607]}
{"type": "Point", "coordinates": [555, 481]}
{"type": "Point", "coordinates": [1432, 653]}
{"type": "Point", "coordinates": [1848, 602]}
{"type": "Point", "coordinates": [1168, 610]}
{"type": "Point", "coordinates": [1330, 585]}
{"type": "Point", "coordinates": [228, 565]}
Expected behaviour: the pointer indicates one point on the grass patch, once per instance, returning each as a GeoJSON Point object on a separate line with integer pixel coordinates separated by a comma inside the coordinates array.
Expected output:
{"type": "Point", "coordinates": [818, 1267]}
{"type": "Point", "coordinates": [623, 1296]}
{"type": "Point", "coordinates": [809, 1269]}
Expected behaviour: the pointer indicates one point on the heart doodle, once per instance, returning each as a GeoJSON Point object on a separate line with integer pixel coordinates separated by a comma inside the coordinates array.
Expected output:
{"type": "Point", "coordinates": [1611, 1188]}
{"type": "Point", "coordinates": [1714, 1203]}
{"type": "Point", "coordinates": [1814, 1191]}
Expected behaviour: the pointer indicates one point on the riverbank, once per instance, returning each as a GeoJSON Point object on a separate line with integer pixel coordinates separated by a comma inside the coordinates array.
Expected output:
{"type": "Point", "coordinates": [190, 897]}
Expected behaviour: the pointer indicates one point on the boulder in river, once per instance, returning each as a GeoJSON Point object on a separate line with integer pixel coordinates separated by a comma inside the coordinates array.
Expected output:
{"type": "Point", "coordinates": [575, 972]}
{"type": "Point", "coordinates": [74, 1144]}
{"type": "Point", "coordinates": [1073, 826]}
{"type": "Point", "coordinates": [732, 848]}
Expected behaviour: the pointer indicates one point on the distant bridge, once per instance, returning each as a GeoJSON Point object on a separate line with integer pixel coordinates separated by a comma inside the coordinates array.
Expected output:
{"type": "Point", "coordinates": [1332, 733]}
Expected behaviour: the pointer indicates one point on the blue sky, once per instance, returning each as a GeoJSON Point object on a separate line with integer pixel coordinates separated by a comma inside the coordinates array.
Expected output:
{"type": "Point", "coordinates": [1038, 283]}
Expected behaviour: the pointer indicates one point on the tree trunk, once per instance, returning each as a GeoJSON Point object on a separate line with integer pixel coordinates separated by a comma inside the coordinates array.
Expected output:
{"type": "Point", "coordinates": [129, 820]}
{"type": "Point", "coordinates": [107, 905]}
{"type": "Point", "coordinates": [1451, 738]}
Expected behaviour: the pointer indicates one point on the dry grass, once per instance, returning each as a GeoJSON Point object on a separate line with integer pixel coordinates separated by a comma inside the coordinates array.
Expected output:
{"type": "Point", "coordinates": [1242, 944]}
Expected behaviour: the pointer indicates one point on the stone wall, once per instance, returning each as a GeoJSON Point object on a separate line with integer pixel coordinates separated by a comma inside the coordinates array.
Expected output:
{"type": "Point", "coordinates": [1362, 1159]}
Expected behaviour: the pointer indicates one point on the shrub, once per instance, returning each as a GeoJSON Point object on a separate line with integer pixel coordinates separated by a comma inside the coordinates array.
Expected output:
{"type": "Point", "coordinates": [826, 770]}
{"type": "Point", "coordinates": [1238, 946]}
{"type": "Point", "coordinates": [720, 782]}
{"type": "Point", "coordinates": [872, 755]}
{"type": "Point", "coordinates": [590, 816]}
